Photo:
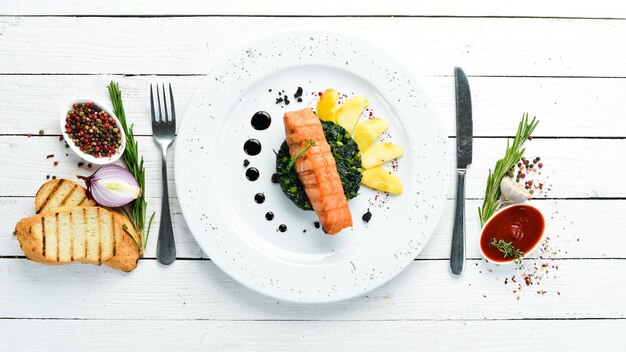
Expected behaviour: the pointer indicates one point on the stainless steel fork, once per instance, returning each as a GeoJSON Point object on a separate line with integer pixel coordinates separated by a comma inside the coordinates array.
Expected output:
{"type": "Point", "coordinates": [164, 131]}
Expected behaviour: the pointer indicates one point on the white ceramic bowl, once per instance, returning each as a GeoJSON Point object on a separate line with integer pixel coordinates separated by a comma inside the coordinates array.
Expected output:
{"type": "Point", "coordinates": [527, 253]}
{"type": "Point", "coordinates": [90, 158]}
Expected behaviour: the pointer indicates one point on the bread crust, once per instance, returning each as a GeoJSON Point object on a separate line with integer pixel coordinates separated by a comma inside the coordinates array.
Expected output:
{"type": "Point", "coordinates": [127, 255]}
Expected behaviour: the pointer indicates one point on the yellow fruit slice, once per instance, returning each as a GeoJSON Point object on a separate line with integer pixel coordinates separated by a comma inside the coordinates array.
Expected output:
{"type": "Point", "coordinates": [381, 179]}
{"type": "Point", "coordinates": [368, 131]}
{"type": "Point", "coordinates": [327, 105]}
{"type": "Point", "coordinates": [380, 153]}
{"type": "Point", "coordinates": [350, 112]}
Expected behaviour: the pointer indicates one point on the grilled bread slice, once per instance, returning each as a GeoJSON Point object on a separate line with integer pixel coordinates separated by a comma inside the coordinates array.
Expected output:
{"type": "Point", "coordinates": [59, 193]}
{"type": "Point", "coordinates": [85, 234]}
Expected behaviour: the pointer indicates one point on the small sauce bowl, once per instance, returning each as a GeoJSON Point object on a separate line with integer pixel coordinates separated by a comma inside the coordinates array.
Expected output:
{"type": "Point", "coordinates": [522, 225]}
{"type": "Point", "coordinates": [88, 157]}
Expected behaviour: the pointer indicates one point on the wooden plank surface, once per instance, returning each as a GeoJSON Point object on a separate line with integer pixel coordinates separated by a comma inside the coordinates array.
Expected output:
{"type": "Point", "coordinates": [197, 289]}
{"type": "Point", "coordinates": [598, 9]}
{"type": "Point", "coordinates": [574, 229]}
{"type": "Point", "coordinates": [574, 168]}
{"type": "Point", "coordinates": [557, 64]}
{"type": "Point", "coordinates": [97, 335]}
{"type": "Point", "coordinates": [590, 107]}
{"type": "Point", "coordinates": [192, 45]}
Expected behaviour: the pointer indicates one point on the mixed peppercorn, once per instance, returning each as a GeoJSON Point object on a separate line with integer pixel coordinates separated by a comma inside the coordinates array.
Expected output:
{"type": "Point", "coordinates": [525, 168]}
{"type": "Point", "coordinates": [93, 130]}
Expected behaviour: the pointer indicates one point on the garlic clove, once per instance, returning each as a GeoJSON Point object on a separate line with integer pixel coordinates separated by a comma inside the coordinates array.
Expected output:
{"type": "Point", "coordinates": [513, 192]}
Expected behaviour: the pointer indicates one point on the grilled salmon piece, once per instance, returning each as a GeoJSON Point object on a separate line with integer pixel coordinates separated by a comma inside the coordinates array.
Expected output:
{"type": "Point", "coordinates": [317, 170]}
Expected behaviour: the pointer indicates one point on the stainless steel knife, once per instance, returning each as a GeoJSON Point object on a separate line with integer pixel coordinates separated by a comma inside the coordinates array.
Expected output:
{"type": "Point", "coordinates": [464, 131]}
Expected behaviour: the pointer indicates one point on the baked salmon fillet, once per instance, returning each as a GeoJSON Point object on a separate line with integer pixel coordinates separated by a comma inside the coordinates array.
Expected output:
{"type": "Point", "coordinates": [317, 170]}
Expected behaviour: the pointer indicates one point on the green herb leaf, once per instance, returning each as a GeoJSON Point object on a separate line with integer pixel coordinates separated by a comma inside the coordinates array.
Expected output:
{"type": "Point", "coordinates": [134, 164]}
{"type": "Point", "coordinates": [513, 153]}
{"type": "Point", "coordinates": [507, 249]}
{"type": "Point", "coordinates": [308, 144]}
{"type": "Point", "coordinates": [125, 228]}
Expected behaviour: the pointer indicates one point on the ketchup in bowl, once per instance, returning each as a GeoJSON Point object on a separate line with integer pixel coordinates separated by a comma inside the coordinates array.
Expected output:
{"type": "Point", "coordinates": [522, 225]}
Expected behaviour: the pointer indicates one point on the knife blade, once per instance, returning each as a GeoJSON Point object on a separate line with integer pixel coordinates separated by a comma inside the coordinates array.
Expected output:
{"type": "Point", "coordinates": [464, 126]}
{"type": "Point", "coordinates": [464, 141]}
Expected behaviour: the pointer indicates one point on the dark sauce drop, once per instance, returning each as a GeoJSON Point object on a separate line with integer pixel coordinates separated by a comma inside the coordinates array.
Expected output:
{"type": "Point", "coordinates": [252, 147]}
{"type": "Point", "coordinates": [282, 228]}
{"type": "Point", "coordinates": [261, 120]}
{"type": "Point", "coordinates": [317, 224]}
{"type": "Point", "coordinates": [252, 174]}
{"type": "Point", "coordinates": [274, 178]}
{"type": "Point", "coordinates": [259, 198]}
{"type": "Point", "coordinates": [367, 216]}
{"type": "Point", "coordinates": [246, 162]}
{"type": "Point", "coordinates": [298, 93]}
{"type": "Point", "coordinates": [269, 216]}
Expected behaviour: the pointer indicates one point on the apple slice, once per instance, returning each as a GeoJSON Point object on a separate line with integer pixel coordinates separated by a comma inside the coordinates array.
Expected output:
{"type": "Point", "coordinates": [368, 131]}
{"type": "Point", "coordinates": [380, 153]}
{"type": "Point", "coordinates": [327, 105]}
{"type": "Point", "coordinates": [350, 112]}
{"type": "Point", "coordinates": [381, 179]}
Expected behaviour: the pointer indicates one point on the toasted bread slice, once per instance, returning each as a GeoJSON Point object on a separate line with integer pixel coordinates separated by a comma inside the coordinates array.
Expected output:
{"type": "Point", "coordinates": [60, 193]}
{"type": "Point", "coordinates": [85, 234]}
{"type": "Point", "coordinates": [63, 235]}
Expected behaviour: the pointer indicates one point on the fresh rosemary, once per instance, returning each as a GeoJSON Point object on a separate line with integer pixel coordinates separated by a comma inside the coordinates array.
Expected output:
{"type": "Point", "coordinates": [507, 249]}
{"type": "Point", "coordinates": [514, 152]}
{"type": "Point", "coordinates": [134, 164]}
{"type": "Point", "coordinates": [308, 144]}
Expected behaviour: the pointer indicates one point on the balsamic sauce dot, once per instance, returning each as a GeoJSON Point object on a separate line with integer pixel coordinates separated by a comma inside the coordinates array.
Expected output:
{"type": "Point", "coordinates": [246, 162]}
{"type": "Point", "coordinates": [274, 178]}
{"type": "Point", "coordinates": [317, 224]}
{"type": "Point", "coordinates": [367, 216]}
{"type": "Point", "coordinates": [269, 216]}
{"type": "Point", "coordinates": [252, 147]}
{"type": "Point", "coordinates": [282, 228]}
{"type": "Point", "coordinates": [259, 198]}
{"type": "Point", "coordinates": [261, 120]}
{"type": "Point", "coordinates": [298, 93]}
{"type": "Point", "coordinates": [252, 174]}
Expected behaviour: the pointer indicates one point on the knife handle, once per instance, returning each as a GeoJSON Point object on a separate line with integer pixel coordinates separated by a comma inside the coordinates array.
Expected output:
{"type": "Point", "coordinates": [457, 252]}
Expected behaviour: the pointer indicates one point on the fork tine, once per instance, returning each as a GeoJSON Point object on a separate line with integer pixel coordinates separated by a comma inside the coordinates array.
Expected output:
{"type": "Point", "coordinates": [152, 105]}
{"type": "Point", "coordinates": [172, 104]}
{"type": "Point", "coordinates": [159, 101]}
{"type": "Point", "coordinates": [166, 117]}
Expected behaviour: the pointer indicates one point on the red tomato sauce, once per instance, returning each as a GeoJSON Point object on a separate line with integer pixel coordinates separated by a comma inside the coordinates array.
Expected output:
{"type": "Point", "coordinates": [521, 224]}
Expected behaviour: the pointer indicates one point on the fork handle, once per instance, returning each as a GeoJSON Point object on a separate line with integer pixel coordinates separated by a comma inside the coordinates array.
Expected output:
{"type": "Point", "coordinates": [166, 247]}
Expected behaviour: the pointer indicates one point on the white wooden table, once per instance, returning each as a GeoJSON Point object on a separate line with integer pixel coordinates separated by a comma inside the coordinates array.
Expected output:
{"type": "Point", "coordinates": [564, 64]}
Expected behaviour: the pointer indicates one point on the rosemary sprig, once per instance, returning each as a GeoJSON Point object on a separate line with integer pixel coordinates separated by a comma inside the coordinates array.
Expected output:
{"type": "Point", "coordinates": [513, 153]}
{"type": "Point", "coordinates": [134, 164]}
{"type": "Point", "coordinates": [308, 144]}
{"type": "Point", "coordinates": [125, 228]}
{"type": "Point", "coordinates": [507, 249]}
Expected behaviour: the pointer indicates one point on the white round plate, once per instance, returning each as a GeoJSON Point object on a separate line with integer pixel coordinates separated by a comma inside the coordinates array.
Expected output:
{"type": "Point", "coordinates": [303, 264]}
